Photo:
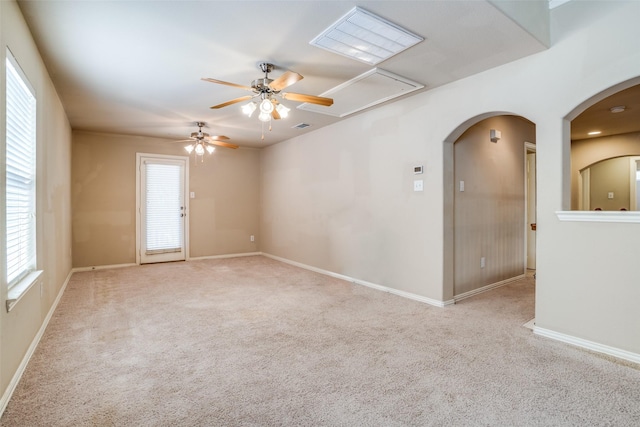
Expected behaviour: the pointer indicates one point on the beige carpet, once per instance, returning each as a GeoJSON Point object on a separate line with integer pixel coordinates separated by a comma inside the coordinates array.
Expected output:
{"type": "Point", "coordinates": [255, 342]}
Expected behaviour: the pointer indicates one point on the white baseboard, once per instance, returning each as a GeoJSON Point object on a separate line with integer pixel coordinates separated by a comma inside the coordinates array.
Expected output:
{"type": "Point", "coordinates": [102, 267]}
{"type": "Point", "coordinates": [225, 256]}
{"type": "Point", "coordinates": [589, 345]}
{"type": "Point", "coordinates": [393, 291]}
{"type": "Point", "coordinates": [4, 401]}
{"type": "Point", "coordinates": [487, 288]}
{"type": "Point", "coordinates": [133, 264]}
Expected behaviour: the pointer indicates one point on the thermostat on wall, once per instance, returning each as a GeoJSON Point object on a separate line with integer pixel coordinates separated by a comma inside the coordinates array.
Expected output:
{"type": "Point", "coordinates": [417, 169]}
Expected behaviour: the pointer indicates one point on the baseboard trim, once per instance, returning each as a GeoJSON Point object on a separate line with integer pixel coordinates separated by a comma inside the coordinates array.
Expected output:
{"type": "Point", "coordinates": [102, 267]}
{"type": "Point", "coordinates": [133, 264]}
{"type": "Point", "coordinates": [589, 345]}
{"type": "Point", "coordinates": [225, 256]}
{"type": "Point", "coordinates": [473, 292]}
{"type": "Point", "coordinates": [375, 286]}
{"type": "Point", "coordinates": [6, 397]}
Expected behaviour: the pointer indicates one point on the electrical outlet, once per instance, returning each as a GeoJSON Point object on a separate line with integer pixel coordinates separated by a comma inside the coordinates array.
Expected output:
{"type": "Point", "coordinates": [252, 238]}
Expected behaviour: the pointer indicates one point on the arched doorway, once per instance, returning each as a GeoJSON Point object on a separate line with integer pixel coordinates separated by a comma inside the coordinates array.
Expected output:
{"type": "Point", "coordinates": [485, 203]}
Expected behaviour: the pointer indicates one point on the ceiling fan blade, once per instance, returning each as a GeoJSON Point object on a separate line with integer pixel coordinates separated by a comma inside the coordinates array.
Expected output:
{"type": "Point", "coordinates": [233, 101]}
{"type": "Point", "coordinates": [308, 98]}
{"type": "Point", "coordinates": [206, 79]}
{"type": "Point", "coordinates": [186, 140]}
{"type": "Point", "coordinates": [223, 144]}
{"type": "Point", "coordinates": [217, 138]}
{"type": "Point", "coordinates": [287, 79]}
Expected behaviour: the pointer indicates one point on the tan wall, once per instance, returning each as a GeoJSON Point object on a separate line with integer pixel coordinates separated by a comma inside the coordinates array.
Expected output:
{"type": "Point", "coordinates": [489, 214]}
{"type": "Point", "coordinates": [341, 199]}
{"type": "Point", "coordinates": [19, 328]}
{"type": "Point", "coordinates": [610, 175]}
{"type": "Point", "coordinates": [223, 214]}
{"type": "Point", "coordinates": [586, 152]}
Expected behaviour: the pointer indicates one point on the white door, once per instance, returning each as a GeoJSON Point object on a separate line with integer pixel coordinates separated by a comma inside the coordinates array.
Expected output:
{"type": "Point", "coordinates": [162, 211]}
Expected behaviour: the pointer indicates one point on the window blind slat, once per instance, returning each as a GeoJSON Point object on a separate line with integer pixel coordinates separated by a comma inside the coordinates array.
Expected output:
{"type": "Point", "coordinates": [164, 188]}
{"type": "Point", "coordinates": [20, 175]}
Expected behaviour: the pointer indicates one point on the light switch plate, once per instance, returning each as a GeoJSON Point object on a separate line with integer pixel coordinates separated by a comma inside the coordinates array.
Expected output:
{"type": "Point", "coordinates": [418, 185]}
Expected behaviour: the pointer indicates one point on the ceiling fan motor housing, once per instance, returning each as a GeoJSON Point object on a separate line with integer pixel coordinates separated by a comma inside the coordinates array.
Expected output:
{"type": "Point", "coordinates": [262, 85]}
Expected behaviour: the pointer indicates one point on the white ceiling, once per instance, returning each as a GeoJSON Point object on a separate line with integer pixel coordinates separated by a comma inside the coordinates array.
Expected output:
{"type": "Point", "coordinates": [135, 67]}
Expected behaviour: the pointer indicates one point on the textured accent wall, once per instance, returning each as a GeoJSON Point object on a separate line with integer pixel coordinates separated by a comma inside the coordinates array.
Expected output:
{"type": "Point", "coordinates": [489, 215]}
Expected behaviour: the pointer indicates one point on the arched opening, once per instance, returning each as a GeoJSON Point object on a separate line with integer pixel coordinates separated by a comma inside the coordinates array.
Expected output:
{"type": "Point", "coordinates": [485, 203]}
{"type": "Point", "coordinates": [606, 126]}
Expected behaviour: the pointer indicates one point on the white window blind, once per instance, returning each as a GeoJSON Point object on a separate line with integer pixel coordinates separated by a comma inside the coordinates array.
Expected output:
{"type": "Point", "coordinates": [164, 210]}
{"type": "Point", "coordinates": [20, 174]}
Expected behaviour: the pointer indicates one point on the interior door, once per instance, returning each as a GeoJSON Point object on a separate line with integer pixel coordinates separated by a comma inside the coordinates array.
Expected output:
{"type": "Point", "coordinates": [162, 208]}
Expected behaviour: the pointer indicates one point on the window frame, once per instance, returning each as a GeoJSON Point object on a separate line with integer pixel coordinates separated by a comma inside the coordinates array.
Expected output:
{"type": "Point", "coordinates": [19, 281]}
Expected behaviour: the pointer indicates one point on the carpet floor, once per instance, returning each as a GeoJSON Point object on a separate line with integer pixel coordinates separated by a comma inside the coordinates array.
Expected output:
{"type": "Point", "coordinates": [255, 342]}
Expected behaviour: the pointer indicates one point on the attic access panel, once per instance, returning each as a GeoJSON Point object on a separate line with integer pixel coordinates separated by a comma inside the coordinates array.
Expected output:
{"type": "Point", "coordinates": [366, 90]}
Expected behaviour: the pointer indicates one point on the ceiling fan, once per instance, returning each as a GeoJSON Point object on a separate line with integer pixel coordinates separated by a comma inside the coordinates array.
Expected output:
{"type": "Point", "coordinates": [201, 141]}
{"type": "Point", "coordinates": [266, 89]}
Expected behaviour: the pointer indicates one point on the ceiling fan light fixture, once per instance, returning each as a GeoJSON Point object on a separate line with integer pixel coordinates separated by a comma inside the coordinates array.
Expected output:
{"type": "Point", "coordinates": [249, 108]}
{"type": "Point", "coordinates": [266, 106]}
{"type": "Point", "coordinates": [283, 111]}
{"type": "Point", "coordinates": [189, 148]}
{"type": "Point", "coordinates": [199, 149]}
{"type": "Point", "coordinates": [264, 117]}
{"type": "Point", "coordinates": [210, 149]}
{"type": "Point", "coordinates": [366, 37]}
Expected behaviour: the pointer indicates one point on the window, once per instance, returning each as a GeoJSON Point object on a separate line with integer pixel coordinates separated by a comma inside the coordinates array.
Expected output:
{"type": "Point", "coordinates": [20, 174]}
{"type": "Point", "coordinates": [163, 205]}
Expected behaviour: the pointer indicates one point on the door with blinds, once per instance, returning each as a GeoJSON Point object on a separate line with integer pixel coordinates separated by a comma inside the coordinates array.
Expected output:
{"type": "Point", "coordinates": [162, 209]}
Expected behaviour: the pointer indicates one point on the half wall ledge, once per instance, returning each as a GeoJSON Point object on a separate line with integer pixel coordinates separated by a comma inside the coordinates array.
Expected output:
{"type": "Point", "coordinates": [599, 216]}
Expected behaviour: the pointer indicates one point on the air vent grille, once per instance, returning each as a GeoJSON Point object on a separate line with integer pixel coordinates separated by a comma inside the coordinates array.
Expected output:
{"type": "Point", "coordinates": [365, 37]}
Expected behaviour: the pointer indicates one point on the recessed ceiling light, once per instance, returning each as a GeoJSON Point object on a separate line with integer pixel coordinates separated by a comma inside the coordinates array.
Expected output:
{"type": "Point", "coordinates": [595, 132]}
{"type": "Point", "coordinates": [618, 109]}
{"type": "Point", "coordinates": [366, 37]}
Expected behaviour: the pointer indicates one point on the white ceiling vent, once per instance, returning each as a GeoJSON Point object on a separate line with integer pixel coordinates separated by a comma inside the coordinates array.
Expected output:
{"type": "Point", "coordinates": [365, 37]}
{"type": "Point", "coordinates": [301, 126]}
{"type": "Point", "coordinates": [366, 90]}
